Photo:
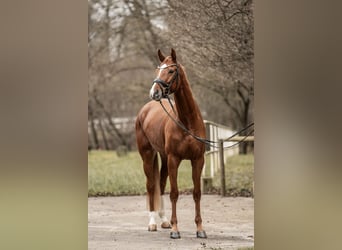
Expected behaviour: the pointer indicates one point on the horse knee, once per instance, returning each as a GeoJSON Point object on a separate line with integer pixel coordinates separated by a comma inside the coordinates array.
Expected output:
{"type": "Point", "coordinates": [174, 195]}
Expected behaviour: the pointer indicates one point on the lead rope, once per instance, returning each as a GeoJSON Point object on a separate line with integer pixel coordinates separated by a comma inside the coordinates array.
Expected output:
{"type": "Point", "coordinates": [204, 140]}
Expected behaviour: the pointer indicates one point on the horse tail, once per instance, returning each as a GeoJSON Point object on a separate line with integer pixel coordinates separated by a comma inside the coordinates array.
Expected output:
{"type": "Point", "coordinates": [156, 191]}
{"type": "Point", "coordinates": [157, 197]}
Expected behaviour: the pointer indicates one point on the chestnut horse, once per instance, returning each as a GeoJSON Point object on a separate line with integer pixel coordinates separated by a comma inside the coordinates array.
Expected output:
{"type": "Point", "coordinates": [156, 132]}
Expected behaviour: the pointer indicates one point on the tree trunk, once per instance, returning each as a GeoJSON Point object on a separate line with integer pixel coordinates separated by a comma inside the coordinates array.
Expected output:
{"type": "Point", "coordinates": [110, 122]}
{"type": "Point", "coordinates": [92, 127]}
{"type": "Point", "coordinates": [94, 133]}
{"type": "Point", "coordinates": [103, 135]}
{"type": "Point", "coordinates": [244, 145]}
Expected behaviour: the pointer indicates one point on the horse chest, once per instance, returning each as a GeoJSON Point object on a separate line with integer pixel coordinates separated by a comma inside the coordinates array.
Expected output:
{"type": "Point", "coordinates": [184, 147]}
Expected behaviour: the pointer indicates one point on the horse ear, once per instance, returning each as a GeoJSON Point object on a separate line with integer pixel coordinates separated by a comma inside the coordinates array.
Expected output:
{"type": "Point", "coordinates": [160, 55]}
{"type": "Point", "coordinates": [173, 55]}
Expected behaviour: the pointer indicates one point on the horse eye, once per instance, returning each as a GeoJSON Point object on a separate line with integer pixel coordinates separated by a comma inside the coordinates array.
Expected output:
{"type": "Point", "coordinates": [171, 71]}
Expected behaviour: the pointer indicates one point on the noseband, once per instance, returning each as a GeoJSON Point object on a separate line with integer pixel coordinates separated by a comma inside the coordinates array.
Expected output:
{"type": "Point", "coordinates": [166, 86]}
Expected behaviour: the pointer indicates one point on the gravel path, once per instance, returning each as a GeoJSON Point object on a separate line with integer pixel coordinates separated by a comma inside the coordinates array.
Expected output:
{"type": "Point", "coordinates": [121, 223]}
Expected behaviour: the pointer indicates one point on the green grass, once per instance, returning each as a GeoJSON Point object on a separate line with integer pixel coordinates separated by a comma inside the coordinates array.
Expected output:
{"type": "Point", "coordinates": [109, 174]}
{"type": "Point", "coordinates": [239, 172]}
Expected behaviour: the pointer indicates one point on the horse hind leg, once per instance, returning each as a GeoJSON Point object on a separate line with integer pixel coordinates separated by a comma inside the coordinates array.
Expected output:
{"type": "Point", "coordinates": [150, 165]}
{"type": "Point", "coordinates": [163, 178]}
{"type": "Point", "coordinates": [153, 188]}
{"type": "Point", "coordinates": [172, 165]}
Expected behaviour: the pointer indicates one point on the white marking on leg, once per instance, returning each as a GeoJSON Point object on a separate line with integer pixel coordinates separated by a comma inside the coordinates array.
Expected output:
{"type": "Point", "coordinates": [152, 216]}
{"type": "Point", "coordinates": [164, 66]}
{"type": "Point", "coordinates": [162, 210]}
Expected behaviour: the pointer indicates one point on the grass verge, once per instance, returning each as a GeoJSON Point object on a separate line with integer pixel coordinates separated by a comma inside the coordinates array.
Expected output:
{"type": "Point", "coordinates": [109, 174]}
{"type": "Point", "coordinates": [239, 173]}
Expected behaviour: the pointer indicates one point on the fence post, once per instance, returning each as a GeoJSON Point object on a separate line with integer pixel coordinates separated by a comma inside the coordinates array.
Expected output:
{"type": "Point", "coordinates": [223, 176]}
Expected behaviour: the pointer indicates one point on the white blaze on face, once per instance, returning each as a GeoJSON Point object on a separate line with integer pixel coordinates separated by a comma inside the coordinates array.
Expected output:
{"type": "Point", "coordinates": [152, 90]}
{"type": "Point", "coordinates": [164, 66]}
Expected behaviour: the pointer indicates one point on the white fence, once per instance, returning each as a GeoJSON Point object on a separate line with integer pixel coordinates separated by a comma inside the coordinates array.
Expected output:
{"type": "Point", "coordinates": [215, 132]}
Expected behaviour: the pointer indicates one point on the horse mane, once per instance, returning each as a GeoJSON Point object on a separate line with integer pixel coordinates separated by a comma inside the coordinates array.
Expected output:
{"type": "Point", "coordinates": [186, 84]}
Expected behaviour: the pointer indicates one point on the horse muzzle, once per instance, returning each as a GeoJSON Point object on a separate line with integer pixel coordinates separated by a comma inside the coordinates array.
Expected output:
{"type": "Point", "coordinates": [156, 93]}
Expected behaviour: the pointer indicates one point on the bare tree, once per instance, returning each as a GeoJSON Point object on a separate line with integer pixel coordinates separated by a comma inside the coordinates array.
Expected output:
{"type": "Point", "coordinates": [215, 42]}
{"type": "Point", "coordinates": [122, 39]}
{"type": "Point", "coordinates": [216, 37]}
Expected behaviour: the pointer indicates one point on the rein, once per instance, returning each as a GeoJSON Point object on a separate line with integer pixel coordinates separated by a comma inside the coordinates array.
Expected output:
{"type": "Point", "coordinates": [204, 140]}
{"type": "Point", "coordinates": [166, 88]}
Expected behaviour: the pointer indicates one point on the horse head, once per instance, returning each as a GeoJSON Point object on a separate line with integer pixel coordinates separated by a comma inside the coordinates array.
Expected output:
{"type": "Point", "coordinates": [166, 81]}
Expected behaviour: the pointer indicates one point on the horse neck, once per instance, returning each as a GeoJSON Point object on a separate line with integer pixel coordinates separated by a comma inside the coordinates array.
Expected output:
{"type": "Point", "coordinates": [187, 109]}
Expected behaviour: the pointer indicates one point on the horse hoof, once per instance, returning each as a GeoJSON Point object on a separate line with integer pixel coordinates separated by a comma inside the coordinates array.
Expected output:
{"type": "Point", "coordinates": [201, 234]}
{"type": "Point", "coordinates": [152, 227]}
{"type": "Point", "coordinates": [165, 224]}
{"type": "Point", "coordinates": [174, 235]}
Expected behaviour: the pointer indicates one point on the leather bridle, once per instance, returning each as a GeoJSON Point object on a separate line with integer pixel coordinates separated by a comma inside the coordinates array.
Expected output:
{"type": "Point", "coordinates": [166, 86]}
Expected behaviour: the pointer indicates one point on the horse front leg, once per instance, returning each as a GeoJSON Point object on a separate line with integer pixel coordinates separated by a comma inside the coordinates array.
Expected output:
{"type": "Point", "coordinates": [173, 163]}
{"type": "Point", "coordinates": [197, 166]}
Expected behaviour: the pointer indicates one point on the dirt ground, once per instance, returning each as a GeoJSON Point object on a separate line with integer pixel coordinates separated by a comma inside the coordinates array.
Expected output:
{"type": "Point", "coordinates": [121, 223]}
